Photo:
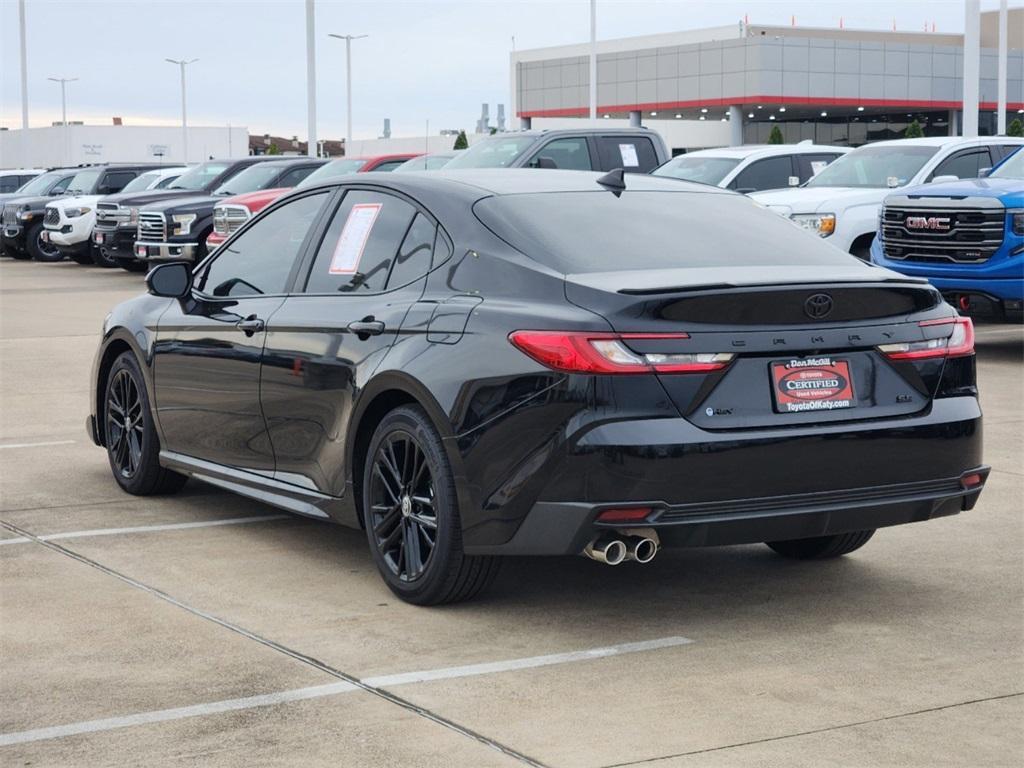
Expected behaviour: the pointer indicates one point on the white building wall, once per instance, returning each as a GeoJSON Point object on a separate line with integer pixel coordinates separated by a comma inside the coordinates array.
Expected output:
{"type": "Point", "coordinates": [77, 144]}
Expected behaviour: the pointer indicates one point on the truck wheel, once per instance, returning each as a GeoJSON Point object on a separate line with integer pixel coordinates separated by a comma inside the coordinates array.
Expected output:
{"type": "Point", "coordinates": [822, 547]}
{"type": "Point", "coordinates": [132, 265]}
{"type": "Point", "coordinates": [100, 257]}
{"type": "Point", "coordinates": [39, 250]}
{"type": "Point", "coordinates": [412, 515]}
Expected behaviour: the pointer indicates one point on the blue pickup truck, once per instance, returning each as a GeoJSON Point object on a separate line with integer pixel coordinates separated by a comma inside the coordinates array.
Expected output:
{"type": "Point", "coordinates": [965, 236]}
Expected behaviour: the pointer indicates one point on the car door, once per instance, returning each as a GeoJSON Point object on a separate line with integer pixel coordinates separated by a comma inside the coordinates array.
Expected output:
{"type": "Point", "coordinates": [326, 341]}
{"type": "Point", "coordinates": [206, 367]}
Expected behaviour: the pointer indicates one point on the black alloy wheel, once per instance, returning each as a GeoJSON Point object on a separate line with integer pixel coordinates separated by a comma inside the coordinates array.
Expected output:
{"type": "Point", "coordinates": [125, 424]}
{"type": "Point", "coordinates": [412, 516]}
{"type": "Point", "coordinates": [402, 515]}
{"type": "Point", "coordinates": [42, 250]}
{"type": "Point", "coordinates": [99, 256]}
{"type": "Point", "coordinates": [133, 446]}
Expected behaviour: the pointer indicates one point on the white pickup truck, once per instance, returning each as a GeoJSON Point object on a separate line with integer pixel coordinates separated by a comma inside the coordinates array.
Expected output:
{"type": "Point", "coordinates": [843, 201]}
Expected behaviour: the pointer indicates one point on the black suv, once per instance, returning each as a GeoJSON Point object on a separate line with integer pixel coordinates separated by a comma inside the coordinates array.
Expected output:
{"type": "Point", "coordinates": [117, 215]}
{"type": "Point", "coordinates": [635, 150]}
{"type": "Point", "coordinates": [52, 184]}
{"type": "Point", "coordinates": [23, 216]}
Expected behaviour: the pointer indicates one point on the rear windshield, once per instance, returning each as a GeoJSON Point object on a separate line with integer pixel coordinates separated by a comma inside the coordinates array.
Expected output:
{"type": "Point", "coordinates": [699, 168]}
{"type": "Point", "coordinates": [580, 232]}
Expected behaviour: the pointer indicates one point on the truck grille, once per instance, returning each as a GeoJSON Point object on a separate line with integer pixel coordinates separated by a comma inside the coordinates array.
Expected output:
{"type": "Point", "coordinates": [152, 228]}
{"type": "Point", "coordinates": [941, 233]}
{"type": "Point", "coordinates": [227, 219]}
{"type": "Point", "coordinates": [110, 215]}
{"type": "Point", "coordinates": [52, 217]}
{"type": "Point", "coordinates": [10, 218]}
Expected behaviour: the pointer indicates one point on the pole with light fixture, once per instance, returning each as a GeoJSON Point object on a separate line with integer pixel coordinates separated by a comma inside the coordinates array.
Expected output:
{"type": "Point", "coordinates": [64, 111]}
{"type": "Point", "coordinates": [348, 84]}
{"type": "Point", "coordinates": [182, 63]}
{"type": "Point", "coordinates": [311, 142]}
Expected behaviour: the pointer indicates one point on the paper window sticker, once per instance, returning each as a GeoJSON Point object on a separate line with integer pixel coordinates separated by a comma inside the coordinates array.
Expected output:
{"type": "Point", "coordinates": [628, 153]}
{"type": "Point", "coordinates": [352, 241]}
{"type": "Point", "coordinates": [817, 166]}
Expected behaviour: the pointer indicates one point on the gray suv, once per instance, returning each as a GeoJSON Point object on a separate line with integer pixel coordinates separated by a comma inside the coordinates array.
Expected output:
{"type": "Point", "coordinates": [635, 150]}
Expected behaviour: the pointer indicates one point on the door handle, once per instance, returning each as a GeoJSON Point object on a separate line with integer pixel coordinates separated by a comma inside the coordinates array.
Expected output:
{"type": "Point", "coordinates": [250, 325]}
{"type": "Point", "coordinates": [366, 327]}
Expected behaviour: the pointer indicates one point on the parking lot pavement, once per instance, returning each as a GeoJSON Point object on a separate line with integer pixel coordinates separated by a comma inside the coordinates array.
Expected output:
{"type": "Point", "coordinates": [205, 628]}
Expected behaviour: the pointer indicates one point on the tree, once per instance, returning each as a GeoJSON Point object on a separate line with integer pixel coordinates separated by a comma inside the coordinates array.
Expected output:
{"type": "Point", "coordinates": [1016, 128]}
{"type": "Point", "coordinates": [273, 149]}
{"type": "Point", "coordinates": [914, 131]}
{"type": "Point", "coordinates": [461, 142]}
{"type": "Point", "coordinates": [775, 137]}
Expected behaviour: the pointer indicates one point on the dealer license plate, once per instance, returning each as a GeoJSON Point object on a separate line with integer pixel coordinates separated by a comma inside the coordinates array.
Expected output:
{"type": "Point", "coordinates": [812, 384]}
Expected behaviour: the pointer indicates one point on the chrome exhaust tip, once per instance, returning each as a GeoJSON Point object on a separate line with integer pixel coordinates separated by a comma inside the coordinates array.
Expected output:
{"type": "Point", "coordinates": [643, 549]}
{"type": "Point", "coordinates": [607, 551]}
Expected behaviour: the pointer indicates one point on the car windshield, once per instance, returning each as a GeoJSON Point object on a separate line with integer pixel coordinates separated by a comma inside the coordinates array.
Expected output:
{"type": "Point", "coordinates": [336, 168]}
{"type": "Point", "coordinates": [40, 185]}
{"type": "Point", "coordinates": [699, 168]}
{"type": "Point", "coordinates": [581, 232]}
{"type": "Point", "coordinates": [255, 177]}
{"type": "Point", "coordinates": [199, 177]}
{"type": "Point", "coordinates": [424, 163]}
{"type": "Point", "coordinates": [873, 166]}
{"type": "Point", "coordinates": [1012, 167]}
{"type": "Point", "coordinates": [497, 152]}
{"type": "Point", "coordinates": [84, 181]}
{"type": "Point", "coordinates": [141, 182]}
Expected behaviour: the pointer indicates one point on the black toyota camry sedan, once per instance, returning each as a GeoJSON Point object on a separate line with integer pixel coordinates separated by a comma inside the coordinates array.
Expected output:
{"type": "Point", "coordinates": [472, 364]}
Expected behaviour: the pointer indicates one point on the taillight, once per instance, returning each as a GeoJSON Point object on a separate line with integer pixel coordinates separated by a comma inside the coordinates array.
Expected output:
{"type": "Point", "coordinates": [960, 342]}
{"type": "Point", "coordinates": [582, 352]}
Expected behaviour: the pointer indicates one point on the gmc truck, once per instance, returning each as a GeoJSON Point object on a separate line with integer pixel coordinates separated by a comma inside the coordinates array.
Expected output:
{"type": "Point", "coordinates": [966, 237]}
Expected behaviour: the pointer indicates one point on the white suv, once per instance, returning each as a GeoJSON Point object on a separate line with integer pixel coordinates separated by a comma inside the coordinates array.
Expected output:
{"type": "Point", "coordinates": [69, 221]}
{"type": "Point", "coordinates": [843, 201]}
{"type": "Point", "coordinates": [754, 167]}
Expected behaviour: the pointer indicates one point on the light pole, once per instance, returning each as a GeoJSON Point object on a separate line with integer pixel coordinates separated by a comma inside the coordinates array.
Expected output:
{"type": "Point", "coordinates": [311, 141]}
{"type": "Point", "coordinates": [184, 118]}
{"type": "Point", "coordinates": [64, 108]}
{"type": "Point", "coordinates": [24, 67]}
{"type": "Point", "coordinates": [593, 59]}
{"type": "Point", "coordinates": [348, 83]}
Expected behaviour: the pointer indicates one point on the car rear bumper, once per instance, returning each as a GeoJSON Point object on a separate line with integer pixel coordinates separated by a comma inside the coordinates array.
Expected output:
{"type": "Point", "coordinates": [740, 486]}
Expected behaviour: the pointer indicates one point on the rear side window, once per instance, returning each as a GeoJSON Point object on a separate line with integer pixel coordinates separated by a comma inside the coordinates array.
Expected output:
{"type": "Point", "coordinates": [568, 154]}
{"type": "Point", "coordinates": [579, 232]}
{"type": "Point", "coordinates": [811, 165]}
{"type": "Point", "coordinates": [361, 244]}
{"type": "Point", "coordinates": [415, 255]}
{"type": "Point", "coordinates": [632, 153]}
{"type": "Point", "coordinates": [770, 173]}
{"type": "Point", "coordinates": [388, 165]}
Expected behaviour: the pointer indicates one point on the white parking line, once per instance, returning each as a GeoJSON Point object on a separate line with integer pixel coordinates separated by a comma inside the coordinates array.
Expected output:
{"type": "Point", "coordinates": [145, 529]}
{"type": "Point", "coordinates": [37, 445]}
{"type": "Point", "coordinates": [332, 689]}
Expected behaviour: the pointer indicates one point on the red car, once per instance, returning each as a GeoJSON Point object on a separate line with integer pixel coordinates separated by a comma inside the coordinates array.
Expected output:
{"type": "Point", "coordinates": [235, 211]}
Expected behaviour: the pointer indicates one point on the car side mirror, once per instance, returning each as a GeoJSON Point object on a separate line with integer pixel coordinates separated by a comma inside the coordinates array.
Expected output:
{"type": "Point", "coordinates": [544, 162]}
{"type": "Point", "coordinates": [983, 172]}
{"type": "Point", "coordinates": [172, 280]}
{"type": "Point", "coordinates": [944, 179]}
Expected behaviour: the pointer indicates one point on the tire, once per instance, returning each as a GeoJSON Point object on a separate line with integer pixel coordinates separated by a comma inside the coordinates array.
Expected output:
{"type": "Point", "coordinates": [132, 265]}
{"type": "Point", "coordinates": [38, 250]}
{"type": "Point", "coordinates": [822, 547]}
{"type": "Point", "coordinates": [134, 460]}
{"type": "Point", "coordinates": [98, 255]}
{"type": "Point", "coordinates": [406, 456]}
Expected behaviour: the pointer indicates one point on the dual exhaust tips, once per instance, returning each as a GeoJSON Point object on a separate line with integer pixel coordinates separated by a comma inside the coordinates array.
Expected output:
{"type": "Point", "coordinates": [613, 549]}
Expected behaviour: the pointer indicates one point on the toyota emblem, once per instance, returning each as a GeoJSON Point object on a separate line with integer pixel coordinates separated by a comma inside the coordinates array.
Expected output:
{"type": "Point", "coordinates": [818, 306]}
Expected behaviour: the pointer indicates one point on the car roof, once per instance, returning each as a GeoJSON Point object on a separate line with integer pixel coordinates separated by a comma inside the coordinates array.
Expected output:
{"type": "Point", "coordinates": [539, 132]}
{"type": "Point", "coordinates": [941, 141]}
{"type": "Point", "coordinates": [285, 161]}
{"type": "Point", "coordinates": [516, 181]}
{"type": "Point", "coordinates": [766, 150]}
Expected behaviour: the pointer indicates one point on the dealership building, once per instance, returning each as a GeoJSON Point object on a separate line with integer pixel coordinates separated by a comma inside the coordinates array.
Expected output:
{"type": "Point", "coordinates": [832, 86]}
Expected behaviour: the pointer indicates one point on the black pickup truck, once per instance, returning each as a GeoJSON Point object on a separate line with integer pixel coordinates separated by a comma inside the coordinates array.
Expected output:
{"type": "Point", "coordinates": [177, 228]}
{"type": "Point", "coordinates": [23, 216]}
{"type": "Point", "coordinates": [117, 216]}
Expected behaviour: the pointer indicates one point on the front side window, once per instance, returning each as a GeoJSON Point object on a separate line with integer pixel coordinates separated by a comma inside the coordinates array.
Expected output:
{"type": "Point", "coordinates": [875, 167]}
{"type": "Point", "coordinates": [964, 165]}
{"type": "Point", "coordinates": [569, 154]}
{"type": "Point", "coordinates": [200, 177]}
{"type": "Point", "coordinates": [61, 186]}
{"type": "Point", "coordinates": [141, 182]}
{"type": "Point", "coordinates": [253, 178]}
{"type": "Point", "coordinates": [295, 175]}
{"type": "Point", "coordinates": [259, 260]}
{"type": "Point", "coordinates": [770, 173]}
{"type": "Point", "coordinates": [116, 181]}
{"type": "Point", "coordinates": [496, 152]}
{"type": "Point", "coordinates": [165, 183]}
{"type": "Point", "coordinates": [361, 244]}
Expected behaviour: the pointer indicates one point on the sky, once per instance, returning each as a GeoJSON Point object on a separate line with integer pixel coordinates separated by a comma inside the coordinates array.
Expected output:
{"type": "Point", "coordinates": [433, 60]}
